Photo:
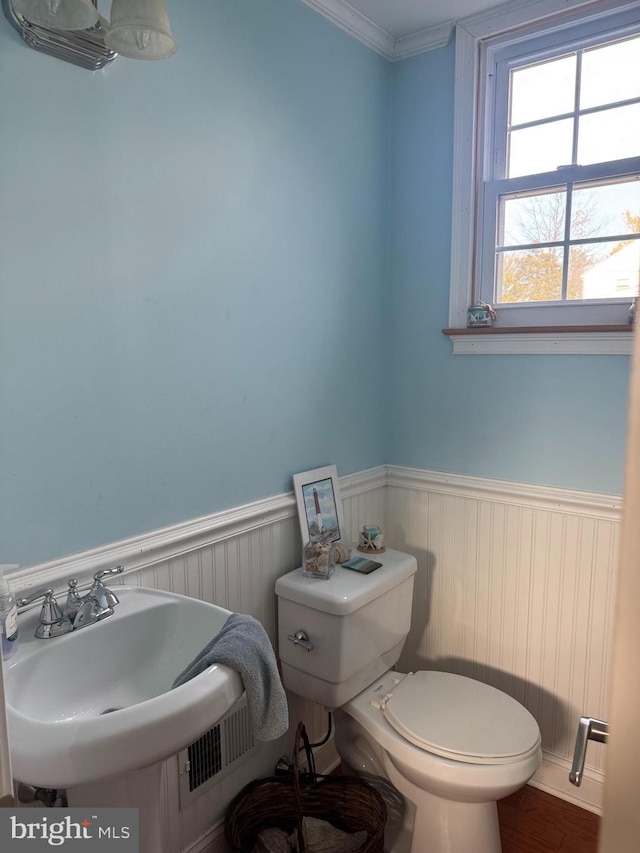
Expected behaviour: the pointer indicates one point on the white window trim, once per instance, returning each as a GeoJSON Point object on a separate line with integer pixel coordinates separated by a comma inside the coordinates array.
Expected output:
{"type": "Point", "coordinates": [469, 34]}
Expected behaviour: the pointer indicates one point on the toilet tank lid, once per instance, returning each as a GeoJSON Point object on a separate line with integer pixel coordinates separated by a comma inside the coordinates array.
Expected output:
{"type": "Point", "coordinates": [346, 590]}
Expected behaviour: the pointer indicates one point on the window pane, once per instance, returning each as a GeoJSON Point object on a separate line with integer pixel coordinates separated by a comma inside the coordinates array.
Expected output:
{"type": "Point", "coordinates": [539, 149]}
{"type": "Point", "coordinates": [609, 135]}
{"type": "Point", "coordinates": [536, 218]}
{"type": "Point", "coordinates": [534, 275]}
{"type": "Point", "coordinates": [543, 91]}
{"type": "Point", "coordinates": [610, 73]}
{"type": "Point", "coordinates": [604, 270]}
{"type": "Point", "coordinates": [601, 210]}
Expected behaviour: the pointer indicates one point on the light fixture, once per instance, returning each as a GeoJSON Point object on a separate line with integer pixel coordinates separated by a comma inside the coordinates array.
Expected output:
{"type": "Point", "coordinates": [140, 29]}
{"type": "Point", "coordinates": [59, 14]}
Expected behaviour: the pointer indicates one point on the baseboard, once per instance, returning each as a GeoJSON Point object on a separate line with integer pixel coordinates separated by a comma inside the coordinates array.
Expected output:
{"type": "Point", "coordinates": [553, 777]}
{"type": "Point", "coordinates": [212, 842]}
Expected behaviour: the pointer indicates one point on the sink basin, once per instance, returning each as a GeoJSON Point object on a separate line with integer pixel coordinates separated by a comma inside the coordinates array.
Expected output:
{"type": "Point", "coordinates": [97, 702]}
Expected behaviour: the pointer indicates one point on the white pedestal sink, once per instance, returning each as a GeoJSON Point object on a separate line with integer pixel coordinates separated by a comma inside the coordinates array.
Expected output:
{"type": "Point", "coordinates": [138, 789]}
{"type": "Point", "coordinates": [97, 703]}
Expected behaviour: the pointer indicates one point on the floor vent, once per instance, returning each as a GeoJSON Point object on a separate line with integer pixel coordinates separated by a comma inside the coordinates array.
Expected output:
{"type": "Point", "coordinates": [219, 751]}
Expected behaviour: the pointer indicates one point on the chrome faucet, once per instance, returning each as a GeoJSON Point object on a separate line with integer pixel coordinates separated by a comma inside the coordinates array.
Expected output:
{"type": "Point", "coordinates": [78, 612]}
{"type": "Point", "coordinates": [97, 604]}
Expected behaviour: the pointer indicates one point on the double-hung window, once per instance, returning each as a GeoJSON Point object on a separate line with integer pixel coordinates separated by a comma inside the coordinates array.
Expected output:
{"type": "Point", "coordinates": [554, 223]}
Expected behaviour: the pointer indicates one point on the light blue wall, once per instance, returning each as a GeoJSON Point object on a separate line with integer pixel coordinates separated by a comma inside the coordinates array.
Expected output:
{"type": "Point", "coordinates": [211, 265]}
{"type": "Point", "coordinates": [551, 420]}
{"type": "Point", "coordinates": [193, 274]}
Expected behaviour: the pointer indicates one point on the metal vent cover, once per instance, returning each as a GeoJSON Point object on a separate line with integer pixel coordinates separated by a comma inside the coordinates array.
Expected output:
{"type": "Point", "coordinates": [214, 755]}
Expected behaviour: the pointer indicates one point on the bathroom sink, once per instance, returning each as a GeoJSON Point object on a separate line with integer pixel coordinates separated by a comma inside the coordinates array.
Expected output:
{"type": "Point", "coordinates": [98, 702]}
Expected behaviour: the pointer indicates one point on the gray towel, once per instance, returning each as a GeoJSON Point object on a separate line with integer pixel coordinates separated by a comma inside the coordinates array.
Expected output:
{"type": "Point", "coordinates": [243, 644]}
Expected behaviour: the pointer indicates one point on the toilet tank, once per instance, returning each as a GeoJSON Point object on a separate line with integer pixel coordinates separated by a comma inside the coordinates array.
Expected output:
{"type": "Point", "coordinates": [357, 624]}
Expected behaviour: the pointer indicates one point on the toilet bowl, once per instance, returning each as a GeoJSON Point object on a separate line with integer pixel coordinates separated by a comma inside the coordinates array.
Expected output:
{"type": "Point", "coordinates": [442, 748]}
{"type": "Point", "coordinates": [473, 746]}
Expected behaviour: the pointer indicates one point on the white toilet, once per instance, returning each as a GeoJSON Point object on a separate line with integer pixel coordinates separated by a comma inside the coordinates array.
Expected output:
{"type": "Point", "coordinates": [450, 745]}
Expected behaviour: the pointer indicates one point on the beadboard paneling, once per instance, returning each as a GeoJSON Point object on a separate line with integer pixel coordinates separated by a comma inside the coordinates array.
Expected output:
{"type": "Point", "coordinates": [514, 587]}
{"type": "Point", "coordinates": [231, 559]}
{"type": "Point", "coordinates": [518, 593]}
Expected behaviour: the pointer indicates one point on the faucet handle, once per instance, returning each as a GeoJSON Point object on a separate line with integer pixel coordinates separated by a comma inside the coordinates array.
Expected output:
{"type": "Point", "coordinates": [53, 622]}
{"type": "Point", "coordinates": [30, 597]}
{"type": "Point", "coordinates": [105, 597]}
{"type": "Point", "coordinates": [104, 572]}
{"type": "Point", "coordinates": [50, 613]}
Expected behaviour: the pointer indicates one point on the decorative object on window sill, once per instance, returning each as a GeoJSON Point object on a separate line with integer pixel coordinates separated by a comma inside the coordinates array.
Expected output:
{"type": "Point", "coordinates": [139, 29]}
{"type": "Point", "coordinates": [632, 311]}
{"type": "Point", "coordinates": [371, 540]}
{"type": "Point", "coordinates": [480, 314]}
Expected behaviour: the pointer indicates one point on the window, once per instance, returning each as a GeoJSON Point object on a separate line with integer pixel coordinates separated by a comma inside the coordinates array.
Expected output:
{"type": "Point", "coordinates": [552, 208]}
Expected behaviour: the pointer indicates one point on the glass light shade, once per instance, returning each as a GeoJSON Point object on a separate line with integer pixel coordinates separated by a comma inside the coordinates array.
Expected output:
{"type": "Point", "coordinates": [59, 14]}
{"type": "Point", "coordinates": [140, 29]}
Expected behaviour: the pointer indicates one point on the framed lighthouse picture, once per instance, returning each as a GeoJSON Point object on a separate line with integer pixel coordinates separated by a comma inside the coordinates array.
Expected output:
{"type": "Point", "coordinates": [319, 505]}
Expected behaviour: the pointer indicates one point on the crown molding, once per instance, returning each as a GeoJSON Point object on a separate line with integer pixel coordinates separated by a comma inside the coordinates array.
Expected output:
{"type": "Point", "coordinates": [345, 17]}
{"type": "Point", "coordinates": [423, 41]}
{"type": "Point", "coordinates": [351, 21]}
{"type": "Point", "coordinates": [502, 16]}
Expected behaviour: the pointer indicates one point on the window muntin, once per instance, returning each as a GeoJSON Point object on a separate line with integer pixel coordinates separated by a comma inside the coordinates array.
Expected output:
{"type": "Point", "coordinates": [545, 253]}
{"type": "Point", "coordinates": [561, 194]}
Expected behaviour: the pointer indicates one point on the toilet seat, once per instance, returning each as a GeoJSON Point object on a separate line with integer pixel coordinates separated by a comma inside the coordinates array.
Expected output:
{"type": "Point", "coordinates": [460, 718]}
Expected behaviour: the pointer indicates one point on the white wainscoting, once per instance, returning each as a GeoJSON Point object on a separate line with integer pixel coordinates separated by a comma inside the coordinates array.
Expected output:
{"type": "Point", "coordinates": [515, 587]}
{"type": "Point", "coordinates": [233, 559]}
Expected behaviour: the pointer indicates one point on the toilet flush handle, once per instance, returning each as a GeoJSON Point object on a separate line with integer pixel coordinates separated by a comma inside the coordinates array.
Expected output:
{"type": "Point", "coordinates": [588, 729]}
{"type": "Point", "coordinates": [300, 638]}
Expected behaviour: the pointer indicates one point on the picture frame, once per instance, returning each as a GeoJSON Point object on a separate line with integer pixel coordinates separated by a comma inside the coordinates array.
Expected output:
{"type": "Point", "coordinates": [319, 505]}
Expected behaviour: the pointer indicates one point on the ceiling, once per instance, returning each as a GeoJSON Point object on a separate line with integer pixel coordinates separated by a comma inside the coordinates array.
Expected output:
{"type": "Point", "coordinates": [397, 29]}
{"type": "Point", "coordinates": [401, 18]}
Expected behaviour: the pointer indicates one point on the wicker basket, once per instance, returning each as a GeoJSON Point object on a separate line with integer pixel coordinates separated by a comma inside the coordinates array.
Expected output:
{"type": "Point", "coordinates": [347, 802]}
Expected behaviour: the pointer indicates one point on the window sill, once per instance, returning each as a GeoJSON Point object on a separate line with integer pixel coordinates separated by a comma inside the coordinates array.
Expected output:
{"type": "Point", "coordinates": [542, 340]}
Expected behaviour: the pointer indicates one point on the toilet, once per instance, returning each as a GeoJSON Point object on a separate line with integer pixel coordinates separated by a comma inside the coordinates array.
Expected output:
{"type": "Point", "coordinates": [442, 748]}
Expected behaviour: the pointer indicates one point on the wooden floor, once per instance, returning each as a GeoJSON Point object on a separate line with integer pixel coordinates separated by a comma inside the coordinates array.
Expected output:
{"type": "Point", "coordinates": [532, 821]}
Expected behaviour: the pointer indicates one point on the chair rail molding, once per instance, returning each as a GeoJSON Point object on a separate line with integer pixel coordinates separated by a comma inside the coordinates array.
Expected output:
{"type": "Point", "coordinates": [590, 504]}
{"type": "Point", "coordinates": [158, 546]}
